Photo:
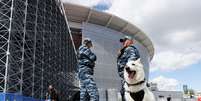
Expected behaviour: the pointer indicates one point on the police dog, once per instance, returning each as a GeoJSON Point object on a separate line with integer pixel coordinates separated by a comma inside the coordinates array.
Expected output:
{"type": "Point", "coordinates": [135, 83]}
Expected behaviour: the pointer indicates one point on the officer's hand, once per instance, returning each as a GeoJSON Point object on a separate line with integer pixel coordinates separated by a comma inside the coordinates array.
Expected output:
{"type": "Point", "coordinates": [119, 52]}
{"type": "Point", "coordinates": [94, 64]}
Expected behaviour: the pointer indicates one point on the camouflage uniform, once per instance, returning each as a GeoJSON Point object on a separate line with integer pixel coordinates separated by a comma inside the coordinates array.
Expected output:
{"type": "Point", "coordinates": [126, 54]}
{"type": "Point", "coordinates": [86, 65]}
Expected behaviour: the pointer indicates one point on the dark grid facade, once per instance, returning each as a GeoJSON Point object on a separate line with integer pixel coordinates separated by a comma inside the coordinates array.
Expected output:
{"type": "Point", "coordinates": [35, 48]}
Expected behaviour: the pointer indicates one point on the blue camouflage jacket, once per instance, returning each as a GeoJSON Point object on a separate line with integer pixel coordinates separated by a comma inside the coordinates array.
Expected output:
{"type": "Point", "coordinates": [126, 54]}
{"type": "Point", "coordinates": [86, 57]}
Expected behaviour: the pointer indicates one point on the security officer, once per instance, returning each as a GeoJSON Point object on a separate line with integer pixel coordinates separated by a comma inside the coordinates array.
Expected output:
{"type": "Point", "coordinates": [127, 53]}
{"type": "Point", "coordinates": [86, 66]}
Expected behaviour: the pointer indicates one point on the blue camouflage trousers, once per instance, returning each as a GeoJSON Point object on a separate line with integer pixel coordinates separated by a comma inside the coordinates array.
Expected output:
{"type": "Point", "coordinates": [87, 85]}
{"type": "Point", "coordinates": [122, 90]}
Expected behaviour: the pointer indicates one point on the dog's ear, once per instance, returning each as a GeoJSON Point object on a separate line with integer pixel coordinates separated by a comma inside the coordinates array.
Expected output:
{"type": "Point", "coordinates": [138, 60]}
{"type": "Point", "coordinates": [125, 66]}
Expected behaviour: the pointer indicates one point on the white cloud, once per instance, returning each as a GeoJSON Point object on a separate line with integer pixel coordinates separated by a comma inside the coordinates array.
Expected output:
{"type": "Point", "coordinates": [177, 59]}
{"type": "Point", "coordinates": [173, 26]}
{"type": "Point", "coordinates": [181, 36]}
{"type": "Point", "coordinates": [166, 84]}
{"type": "Point", "coordinates": [126, 9]}
{"type": "Point", "coordinates": [89, 3]}
{"type": "Point", "coordinates": [152, 7]}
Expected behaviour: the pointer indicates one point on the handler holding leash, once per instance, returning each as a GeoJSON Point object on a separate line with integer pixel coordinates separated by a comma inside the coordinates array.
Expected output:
{"type": "Point", "coordinates": [86, 66]}
{"type": "Point", "coordinates": [127, 53]}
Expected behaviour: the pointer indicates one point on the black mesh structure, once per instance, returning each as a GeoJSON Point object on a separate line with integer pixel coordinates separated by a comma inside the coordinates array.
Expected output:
{"type": "Point", "coordinates": [35, 48]}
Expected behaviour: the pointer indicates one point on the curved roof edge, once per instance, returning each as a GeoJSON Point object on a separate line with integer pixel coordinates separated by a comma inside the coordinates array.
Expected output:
{"type": "Point", "coordinates": [78, 14]}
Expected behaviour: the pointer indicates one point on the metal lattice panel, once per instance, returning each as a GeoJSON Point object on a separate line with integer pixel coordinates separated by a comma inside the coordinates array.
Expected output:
{"type": "Point", "coordinates": [35, 48]}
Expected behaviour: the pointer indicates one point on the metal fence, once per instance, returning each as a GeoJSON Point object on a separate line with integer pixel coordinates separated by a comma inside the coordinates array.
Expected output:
{"type": "Point", "coordinates": [190, 99]}
{"type": "Point", "coordinates": [36, 48]}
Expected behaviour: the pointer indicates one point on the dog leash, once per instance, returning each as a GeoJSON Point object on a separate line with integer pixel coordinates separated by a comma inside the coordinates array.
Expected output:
{"type": "Point", "coordinates": [136, 83]}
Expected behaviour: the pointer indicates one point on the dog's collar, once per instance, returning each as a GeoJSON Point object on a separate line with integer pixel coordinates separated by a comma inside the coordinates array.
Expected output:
{"type": "Point", "coordinates": [137, 96]}
{"type": "Point", "coordinates": [135, 84]}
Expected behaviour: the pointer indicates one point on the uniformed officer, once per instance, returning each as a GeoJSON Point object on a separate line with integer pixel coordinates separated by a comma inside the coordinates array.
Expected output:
{"type": "Point", "coordinates": [126, 53]}
{"type": "Point", "coordinates": [86, 64]}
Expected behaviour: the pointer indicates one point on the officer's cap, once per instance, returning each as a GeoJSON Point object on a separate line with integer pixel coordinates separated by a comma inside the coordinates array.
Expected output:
{"type": "Point", "coordinates": [125, 38]}
{"type": "Point", "coordinates": [87, 40]}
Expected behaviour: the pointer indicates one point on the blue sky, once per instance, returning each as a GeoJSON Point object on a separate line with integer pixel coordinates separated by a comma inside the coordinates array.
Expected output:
{"type": "Point", "coordinates": [174, 26]}
{"type": "Point", "coordinates": [190, 75]}
{"type": "Point", "coordinates": [103, 5]}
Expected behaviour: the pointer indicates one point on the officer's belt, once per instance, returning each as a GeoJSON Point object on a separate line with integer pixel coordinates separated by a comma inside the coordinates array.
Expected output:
{"type": "Point", "coordinates": [83, 56]}
{"type": "Point", "coordinates": [87, 65]}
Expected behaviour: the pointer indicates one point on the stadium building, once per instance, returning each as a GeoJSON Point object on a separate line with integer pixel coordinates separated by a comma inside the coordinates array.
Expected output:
{"type": "Point", "coordinates": [105, 30]}
{"type": "Point", "coordinates": [38, 42]}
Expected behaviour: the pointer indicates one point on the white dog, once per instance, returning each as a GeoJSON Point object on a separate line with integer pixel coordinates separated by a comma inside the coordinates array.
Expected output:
{"type": "Point", "coordinates": [135, 83]}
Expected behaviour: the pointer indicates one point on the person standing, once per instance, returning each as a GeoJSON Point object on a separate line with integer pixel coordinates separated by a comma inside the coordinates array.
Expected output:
{"type": "Point", "coordinates": [86, 64]}
{"type": "Point", "coordinates": [52, 94]}
{"type": "Point", "coordinates": [126, 53]}
{"type": "Point", "coordinates": [169, 98]}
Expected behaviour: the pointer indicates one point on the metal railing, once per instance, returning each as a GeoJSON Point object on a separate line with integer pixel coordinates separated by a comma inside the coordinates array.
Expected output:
{"type": "Point", "coordinates": [36, 48]}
